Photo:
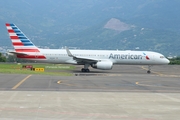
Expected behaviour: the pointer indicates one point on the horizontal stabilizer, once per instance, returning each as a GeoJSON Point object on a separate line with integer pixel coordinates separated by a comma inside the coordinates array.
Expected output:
{"type": "Point", "coordinates": [17, 53]}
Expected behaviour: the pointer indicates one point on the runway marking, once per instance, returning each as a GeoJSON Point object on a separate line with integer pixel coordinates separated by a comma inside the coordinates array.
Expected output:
{"type": "Point", "coordinates": [17, 85]}
{"type": "Point", "coordinates": [140, 84]}
{"type": "Point", "coordinates": [160, 74]}
{"type": "Point", "coordinates": [137, 83]}
{"type": "Point", "coordinates": [59, 82]}
{"type": "Point", "coordinates": [69, 84]}
{"type": "Point", "coordinates": [169, 97]}
{"type": "Point", "coordinates": [152, 71]}
{"type": "Point", "coordinates": [74, 85]}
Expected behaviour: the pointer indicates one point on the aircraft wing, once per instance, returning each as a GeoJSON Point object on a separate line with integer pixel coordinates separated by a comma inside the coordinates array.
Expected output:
{"type": "Point", "coordinates": [85, 59]}
{"type": "Point", "coordinates": [81, 59]}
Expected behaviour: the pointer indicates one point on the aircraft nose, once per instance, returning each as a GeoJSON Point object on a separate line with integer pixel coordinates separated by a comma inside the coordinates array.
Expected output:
{"type": "Point", "coordinates": [167, 61]}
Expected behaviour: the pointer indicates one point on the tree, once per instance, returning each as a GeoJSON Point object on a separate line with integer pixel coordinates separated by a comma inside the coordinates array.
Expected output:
{"type": "Point", "coordinates": [175, 61]}
{"type": "Point", "coordinates": [2, 58]}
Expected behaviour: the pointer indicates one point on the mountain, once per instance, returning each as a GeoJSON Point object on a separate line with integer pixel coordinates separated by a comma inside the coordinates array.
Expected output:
{"type": "Point", "coordinates": [96, 24]}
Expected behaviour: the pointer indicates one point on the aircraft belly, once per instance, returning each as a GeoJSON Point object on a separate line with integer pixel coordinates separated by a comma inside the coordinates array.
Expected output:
{"type": "Point", "coordinates": [134, 62]}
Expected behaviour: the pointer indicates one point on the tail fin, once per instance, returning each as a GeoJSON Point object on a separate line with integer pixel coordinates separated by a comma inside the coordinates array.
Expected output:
{"type": "Point", "coordinates": [24, 48]}
{"type": "Point", "coordinates": [19, 40]}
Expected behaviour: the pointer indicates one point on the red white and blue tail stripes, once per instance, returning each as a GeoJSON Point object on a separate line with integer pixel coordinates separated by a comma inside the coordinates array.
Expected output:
{"type": "Point", "coordinates": [22, 44]}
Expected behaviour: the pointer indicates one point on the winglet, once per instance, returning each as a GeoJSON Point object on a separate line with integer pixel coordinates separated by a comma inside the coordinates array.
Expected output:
{"type": "Point", "coordinates": [68, 52]}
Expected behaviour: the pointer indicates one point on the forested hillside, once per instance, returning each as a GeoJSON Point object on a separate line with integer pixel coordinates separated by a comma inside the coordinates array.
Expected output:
{"type": "Point", "coordinates": [87, 24]}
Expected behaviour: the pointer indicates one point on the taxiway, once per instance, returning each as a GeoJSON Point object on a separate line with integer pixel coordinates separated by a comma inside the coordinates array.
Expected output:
{"type": "Point", "coordinates": [126, 92]}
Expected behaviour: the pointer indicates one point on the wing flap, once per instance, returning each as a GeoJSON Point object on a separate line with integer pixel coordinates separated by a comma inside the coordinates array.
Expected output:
{"type": "Point", "coordinates": [85, 59]}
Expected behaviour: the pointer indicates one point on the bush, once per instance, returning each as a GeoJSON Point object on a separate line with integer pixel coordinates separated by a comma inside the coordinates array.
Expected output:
{"type": "Point", "coordinates": [2, 58]}
{"type": "Point", "coordinates": [175, 61]}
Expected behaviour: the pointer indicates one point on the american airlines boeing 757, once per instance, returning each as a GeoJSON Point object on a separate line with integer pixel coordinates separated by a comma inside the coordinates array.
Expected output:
{"type": "Point", "coordinates": [99, 59]}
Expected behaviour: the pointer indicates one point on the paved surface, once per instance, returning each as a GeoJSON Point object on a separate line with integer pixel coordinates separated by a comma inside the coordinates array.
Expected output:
{"type": "Point", "coordinates": [126, 93]}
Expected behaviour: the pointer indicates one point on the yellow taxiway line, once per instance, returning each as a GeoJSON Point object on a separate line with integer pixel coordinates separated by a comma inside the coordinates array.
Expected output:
{"type": "Point", "coordinates": [17, 85]}
{"type": "Point", "coordinates": [59, 82]}
{"type": "Point", "coordinates": [160, 74]}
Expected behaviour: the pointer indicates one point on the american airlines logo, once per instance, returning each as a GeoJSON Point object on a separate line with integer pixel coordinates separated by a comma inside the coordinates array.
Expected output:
{"type": "Point", "coordinates": [128, 56]}
{"type": "Point", "coordinates": [146, 56]}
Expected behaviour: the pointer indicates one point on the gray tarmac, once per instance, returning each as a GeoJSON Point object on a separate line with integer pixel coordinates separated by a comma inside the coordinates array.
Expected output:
{"type": "Point", "coordinates": [126, 93]}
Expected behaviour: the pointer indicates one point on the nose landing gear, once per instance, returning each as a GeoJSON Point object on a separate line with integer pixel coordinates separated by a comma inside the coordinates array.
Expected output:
{"type": "Point", "coordinates": [149, 69]}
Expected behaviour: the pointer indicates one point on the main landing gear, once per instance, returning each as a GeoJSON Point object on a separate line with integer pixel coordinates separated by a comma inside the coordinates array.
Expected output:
{"type": "Point", "coordinates": [85, 69]}
{"type": "Point", "coordinates": [149, 69]}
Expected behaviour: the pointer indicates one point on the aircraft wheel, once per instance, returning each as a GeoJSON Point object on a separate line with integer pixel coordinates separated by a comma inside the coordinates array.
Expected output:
{"type": "Point", "coordinates": [87, 70]}
{"type": "Point", "coordinates": [148, 71]}
{"type": "Point", "coordinates": [84, 70]}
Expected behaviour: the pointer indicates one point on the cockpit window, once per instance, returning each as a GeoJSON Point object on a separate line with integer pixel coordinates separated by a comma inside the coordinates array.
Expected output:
{"type": "Point", "coordinates": [161, 56]}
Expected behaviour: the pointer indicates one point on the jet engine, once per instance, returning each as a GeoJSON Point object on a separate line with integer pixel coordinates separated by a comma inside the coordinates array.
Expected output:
{"type": "Point", "coordinates": [103, 65]}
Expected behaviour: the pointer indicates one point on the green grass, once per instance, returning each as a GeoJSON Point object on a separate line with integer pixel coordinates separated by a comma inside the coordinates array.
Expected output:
{"type": "Point", "coordinates": [49, 69]}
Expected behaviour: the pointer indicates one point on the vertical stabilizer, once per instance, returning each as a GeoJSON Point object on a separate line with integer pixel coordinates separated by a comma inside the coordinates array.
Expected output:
{"type": "Point", "coordinates": [19, 40]}
{"type": "Point", "coordinates": [24, 48]}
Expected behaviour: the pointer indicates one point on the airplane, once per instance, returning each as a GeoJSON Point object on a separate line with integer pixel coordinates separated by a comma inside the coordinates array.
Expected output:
{"type": "Point", "coordinates": [98, 59]}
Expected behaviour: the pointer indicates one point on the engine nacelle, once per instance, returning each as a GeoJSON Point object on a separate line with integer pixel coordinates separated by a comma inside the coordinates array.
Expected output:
{"type": "Point", "coordinates": [103, 65]}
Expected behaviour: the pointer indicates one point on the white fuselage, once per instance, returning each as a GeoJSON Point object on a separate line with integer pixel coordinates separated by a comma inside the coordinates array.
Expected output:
{"type": "Point", "coordinates": [116, 57]}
